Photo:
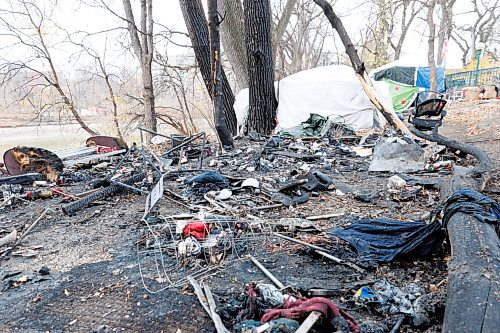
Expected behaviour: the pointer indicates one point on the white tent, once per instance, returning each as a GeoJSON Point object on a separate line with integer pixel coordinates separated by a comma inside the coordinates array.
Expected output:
{"type": "Point", "coordinates": [333, 91]}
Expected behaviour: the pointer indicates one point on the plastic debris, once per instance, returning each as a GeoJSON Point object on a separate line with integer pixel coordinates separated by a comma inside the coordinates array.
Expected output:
{"type": "Point", "coordinates": [250, 182]}
{"type": "Point", "coordinates": [396, 183]}
{"type": "Point", "coordinates": [383, 239]}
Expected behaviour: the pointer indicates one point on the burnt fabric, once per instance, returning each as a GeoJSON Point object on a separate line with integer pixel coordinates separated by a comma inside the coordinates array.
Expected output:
{"type": "Point", "coordinates": [383, 239]}
{"type": "Point", "coordinates": [473, 203]}
{"type": "Point", "coordinates": [206, 182]}
{"type": "Point", "coordinates": [301, 308]}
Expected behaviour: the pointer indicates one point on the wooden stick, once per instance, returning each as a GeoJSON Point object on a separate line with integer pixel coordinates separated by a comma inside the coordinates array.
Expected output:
{"type": "Point", "coordinates": [321, 251]}
{"type": "Point", "coordinates": [313, 317]}
{"type": "Point", "coordinates": [83, 194]}
{"type": "Point", "coordinates": [199, 293]}
{"type": "Point", "coordinates": [341, 261]}
{"type": "Point", "coordinates": [293, 184]}
{"type": "Point", "coordinates": [324, 217]}
{"type": "Point", "coordinates": [312, 246]}
{"type": "Point", "coordinates": [219, 326]}
{"type": "Point", "coordinates": [268, 274]}
{"type": "Point", "coordinates": [309, 322]}
{"type": "Point", "coordinates": [9, 238]}
{"type": "Point", "coordinates": [267, 207]}
{"type": "Point", "coordinates": [30, 228]}
{"type": "Point", "coordinates": [7, 200]}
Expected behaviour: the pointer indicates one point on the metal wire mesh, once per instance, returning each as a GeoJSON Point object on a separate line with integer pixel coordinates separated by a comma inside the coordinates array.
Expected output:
{"type": "Point", "coordinates": [168, 253]}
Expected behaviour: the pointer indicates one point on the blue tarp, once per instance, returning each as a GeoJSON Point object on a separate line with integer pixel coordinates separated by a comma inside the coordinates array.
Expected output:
{"type": "Point", "coordinates": [423, 78]}
{"type": "Point", "coordinates": [417, 76]}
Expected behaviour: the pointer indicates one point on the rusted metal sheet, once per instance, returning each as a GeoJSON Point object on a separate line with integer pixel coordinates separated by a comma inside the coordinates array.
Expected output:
{"type": "Point", "coordinates": [21, 160]}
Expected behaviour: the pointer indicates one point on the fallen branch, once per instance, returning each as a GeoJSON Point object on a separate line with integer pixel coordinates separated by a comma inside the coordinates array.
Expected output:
{"type": "Point", "coordinates": [485, 163]}
{"type": "Point", "coordinates": [268, 274]}
{"type": "Point", "coordinates": [9, 238]}
{"type": "Point", "coordinates": [321, 251]}
{"type": "Point", "coordinates": [472, 301]}
{"type": "Point", "coordinates": [359, 69]}
{"type": "Point", "coordinates": [219, 326]}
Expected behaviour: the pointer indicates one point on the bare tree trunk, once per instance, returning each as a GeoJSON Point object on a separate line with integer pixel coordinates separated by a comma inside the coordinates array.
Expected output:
{"type": "Point", "coordinates": [142, 44]}
{"type": "Point", "coordinates": [279, 29]}
{"type": "Point", "coordinates": [359, 69]}
{"type": "Point", "coordinates": [111, 96]}
{"type": "Point", "coordinates": [233, 39]}
{"type": "Point", "coordinates": [445, 28]}
{"type": "Point", "coordinates": [55, 80]}
{"type": "Point", "coordinates": [263, 103]}
{"type": "Point", "coordinates": [430, 43]}
{"type": "Point", "coordinates": [72, 107]}
{"type": "Point", "coordinates": [196, 23]}
{"type": "Point", "coordinates": [220, 121]}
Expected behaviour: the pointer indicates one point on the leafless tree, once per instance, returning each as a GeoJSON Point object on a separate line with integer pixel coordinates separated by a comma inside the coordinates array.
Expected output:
{"type": "Point", "coordinates": [141, 38]}
{"type": "Point", "coordinates": [445, 28]}
{"type": "Point", "coordinates": [301, 45]}
{"type": "Point", "coordinates": [100, 70]}
{"type": "Point", "coordinates": [431, 45]}
{"type": "Point", "coordinates": [173, 82]}
{"type": "Point", "coordinates": [232, 31]}
{"type": "Point", "coordinates": [480, 29]}
{"type": "Point", "coordinates": [25, 24]}
{"type": "Point", "coordinates": [406, 11]}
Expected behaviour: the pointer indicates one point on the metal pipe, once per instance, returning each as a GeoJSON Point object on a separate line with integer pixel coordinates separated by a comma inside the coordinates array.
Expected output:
{"type": "Point", "coordinates": [203, 149]}
{"type": "Point", "coordinates": [185, 143]}
{"type": "Point", "coordinates": [129, 187]}
{"type": "Point", "coordinates": [268, 274]}
{"type": "Point", "coordinates": [153, 132]}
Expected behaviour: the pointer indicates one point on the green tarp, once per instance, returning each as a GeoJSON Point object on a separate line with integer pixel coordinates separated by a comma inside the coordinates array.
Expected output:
{"type": "Point", "coordinates": [312, 127]}
{"type": "Point", "coordinates": [402, 95]}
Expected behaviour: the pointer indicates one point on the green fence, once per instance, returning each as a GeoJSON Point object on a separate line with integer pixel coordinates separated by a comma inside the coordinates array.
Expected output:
{"type": "Point", "coordinates": [473, 78]}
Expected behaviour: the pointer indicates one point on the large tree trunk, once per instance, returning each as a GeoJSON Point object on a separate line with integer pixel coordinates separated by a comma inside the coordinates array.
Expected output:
{"type": "Point", "coordinates": [196, 23]}
{"type": "Point", "coordinates": [219, 119]}
{"type": "Point", "coordinates": [263, 103]}
{"type": "Point", "coordinates": [359, 69]}
{"type": "Point", "coordinates": [430, 44]}
{"type": "Point", "coordinates": [473, 294]}
{"type": "Point", "coordinates": [233, 39]}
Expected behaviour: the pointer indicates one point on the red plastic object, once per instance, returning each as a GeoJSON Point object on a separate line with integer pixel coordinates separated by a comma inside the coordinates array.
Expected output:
{"type": "Point", "coordinates": [198, 230]}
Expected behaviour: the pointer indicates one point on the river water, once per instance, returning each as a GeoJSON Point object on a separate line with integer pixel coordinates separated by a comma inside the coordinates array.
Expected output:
{"type": "Point", "coordinates": [52, 137]}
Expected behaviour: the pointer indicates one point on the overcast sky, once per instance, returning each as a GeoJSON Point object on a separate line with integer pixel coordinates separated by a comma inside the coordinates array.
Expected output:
{"type": "Point", "coordinates": [75, 16]}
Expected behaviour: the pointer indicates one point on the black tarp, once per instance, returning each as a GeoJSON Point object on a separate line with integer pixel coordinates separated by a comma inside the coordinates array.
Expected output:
{"type": "Point", "coordinates": [383, 239]}
{"type": "Point", "coordinates": [399, 74]}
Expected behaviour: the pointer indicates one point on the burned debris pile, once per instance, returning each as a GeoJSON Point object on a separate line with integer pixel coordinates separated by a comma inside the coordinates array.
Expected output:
{"type": "Point", "coordinates": [317, 228]}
